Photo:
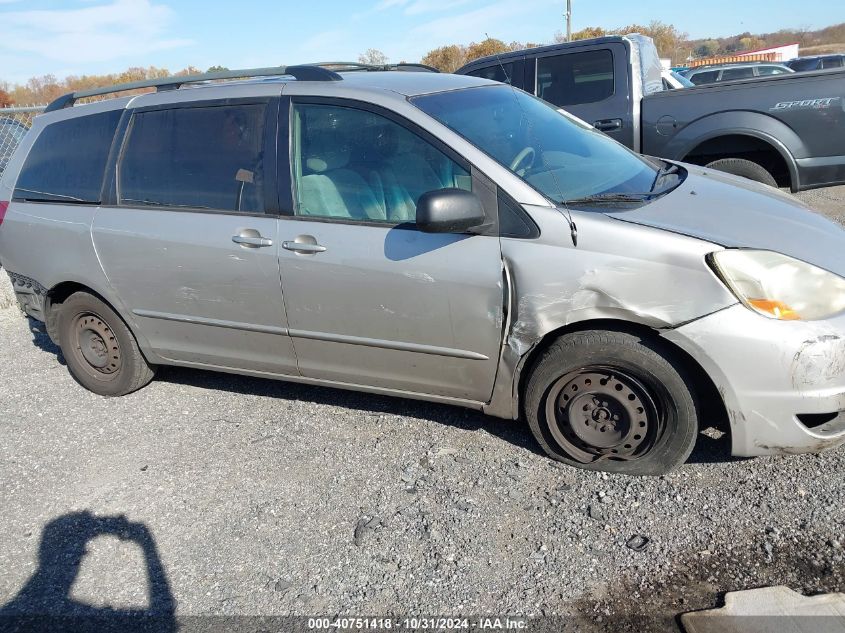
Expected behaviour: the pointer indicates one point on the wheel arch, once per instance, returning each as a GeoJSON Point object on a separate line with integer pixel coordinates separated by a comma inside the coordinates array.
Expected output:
{"type": "Point", "coordinates": [59, 293]}
{"type": "Point", "coordinates": [759, 126]}
{"type": "Point", "coordinates": [745, 143]}
{"type": "Point", "coordinates": [711, 403]}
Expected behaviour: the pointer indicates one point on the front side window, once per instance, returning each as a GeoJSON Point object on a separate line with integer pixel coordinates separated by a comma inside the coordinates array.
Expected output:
{"type": "Point", "coordinates": [770, 70]}
{"type": "Point", "coordinates": [575, 78]}
{"type": "Point", "coordinates": [499, 72]}
{"type": "Point", "coordinates": [562, 159]}
{"type": "Point", "coordinates": [199, 157]}
{"type": "Point", "coordinates": [355, 165]}
{"type": "Point", "coordinates": [67, 162]}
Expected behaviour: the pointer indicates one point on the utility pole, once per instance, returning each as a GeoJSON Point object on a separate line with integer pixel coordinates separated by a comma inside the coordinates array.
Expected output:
{"type": "Point", "coordinates": [568, 20]}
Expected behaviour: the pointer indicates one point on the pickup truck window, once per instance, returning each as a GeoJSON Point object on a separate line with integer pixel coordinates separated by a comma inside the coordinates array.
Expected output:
{"type": "Point", "coordinates": [561, 159]}
{"type": "Point", "coordinates": [499, 72]}
{"type": "Point", "coordinates": [575, 78]}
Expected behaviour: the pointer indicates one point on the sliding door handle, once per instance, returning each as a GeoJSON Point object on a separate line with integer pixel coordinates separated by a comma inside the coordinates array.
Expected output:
{"type": "Point", "coordinates": [302, 247]}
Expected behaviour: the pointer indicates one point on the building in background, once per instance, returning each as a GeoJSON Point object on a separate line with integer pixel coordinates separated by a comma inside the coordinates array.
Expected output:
{"type": "Point", "coordinates": [773, 54]}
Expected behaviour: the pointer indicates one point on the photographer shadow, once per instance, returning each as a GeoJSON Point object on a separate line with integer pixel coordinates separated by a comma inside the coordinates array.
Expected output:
{"type": "Point", "coordinates": [44, 603]}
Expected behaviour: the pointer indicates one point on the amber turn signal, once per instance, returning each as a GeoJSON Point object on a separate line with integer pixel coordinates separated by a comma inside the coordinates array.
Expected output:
{"type": "Point", "coordinates": [777, 309]}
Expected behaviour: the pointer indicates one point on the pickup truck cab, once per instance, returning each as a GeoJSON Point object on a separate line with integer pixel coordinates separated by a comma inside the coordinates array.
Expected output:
{"type": "Point", "coordinates": [785, 130]}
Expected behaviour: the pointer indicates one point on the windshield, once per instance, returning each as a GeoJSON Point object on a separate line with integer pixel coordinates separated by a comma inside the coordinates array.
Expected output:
{"type": "Point", "coordinates": [558, 157]}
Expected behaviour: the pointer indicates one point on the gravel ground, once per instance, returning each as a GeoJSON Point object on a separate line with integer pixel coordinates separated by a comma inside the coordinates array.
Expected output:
{"type": "Point", "coordinates": [253, 497]}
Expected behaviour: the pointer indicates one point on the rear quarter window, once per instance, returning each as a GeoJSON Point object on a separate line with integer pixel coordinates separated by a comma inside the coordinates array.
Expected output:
{"type": "Point", "coordinates": [67, 162]}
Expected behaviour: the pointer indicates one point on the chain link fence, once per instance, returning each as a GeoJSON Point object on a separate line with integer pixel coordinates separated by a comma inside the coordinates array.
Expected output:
{"type": "Point", "coordinates": [14, 124]}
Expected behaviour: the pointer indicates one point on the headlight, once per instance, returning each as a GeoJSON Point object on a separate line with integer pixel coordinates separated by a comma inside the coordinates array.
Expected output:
{"type": "Point", "coordinates": [778, 286]}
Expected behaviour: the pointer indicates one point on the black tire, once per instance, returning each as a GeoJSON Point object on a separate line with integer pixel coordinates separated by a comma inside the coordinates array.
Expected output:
{"type": "Point", "coordinates": [101, 353]}
{"type": "Point", "coordinates": [745, 168]}
{"type": "Point", "coordinates": [642, 421]}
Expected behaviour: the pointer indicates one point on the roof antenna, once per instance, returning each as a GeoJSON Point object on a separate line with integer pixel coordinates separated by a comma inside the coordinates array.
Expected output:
{"type": "Point", "coordinates": [573, 230]}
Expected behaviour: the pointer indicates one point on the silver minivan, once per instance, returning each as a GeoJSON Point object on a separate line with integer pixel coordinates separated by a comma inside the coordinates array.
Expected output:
{"type": "Point", "coordinates": [429, 236]}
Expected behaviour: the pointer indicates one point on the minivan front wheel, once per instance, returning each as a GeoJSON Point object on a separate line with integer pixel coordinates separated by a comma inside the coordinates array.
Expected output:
{"type": "Point", "coordinates": [612, 401]}
{"type": "Point", "coordinates": [100, 351]}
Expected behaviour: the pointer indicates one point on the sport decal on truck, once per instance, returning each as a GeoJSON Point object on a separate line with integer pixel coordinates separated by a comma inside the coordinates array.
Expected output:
{"type": "Point", "coordinates": [816, 104]}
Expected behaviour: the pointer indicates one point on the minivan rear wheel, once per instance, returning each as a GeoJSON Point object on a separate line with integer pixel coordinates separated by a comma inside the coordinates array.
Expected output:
{"type": "Point", "coordinates": [612, 401]}
{"type": "Point", "coordinates": [101, 353]}
{"type": "Point", "coordinates": [745, 168]}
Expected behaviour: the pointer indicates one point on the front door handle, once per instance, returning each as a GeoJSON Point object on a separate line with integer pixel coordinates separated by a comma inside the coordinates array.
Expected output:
{"type": "Point", "coordinates": [252, 241]}
{"type": "Point", "coordinates": [608, 125]}
{"type": "Point", "coordinates": [304, 244]}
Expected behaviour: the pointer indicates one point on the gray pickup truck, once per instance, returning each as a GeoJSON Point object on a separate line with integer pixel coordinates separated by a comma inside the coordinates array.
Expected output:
{"type": "Point", "coordinates": [785, 130]}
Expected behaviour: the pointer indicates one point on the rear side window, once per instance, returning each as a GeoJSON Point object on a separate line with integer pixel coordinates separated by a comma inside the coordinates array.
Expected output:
{"type": "Point", "coordinates": [499, 72]}
{"type": "Point", "coordinates": [68, 160]}
{"type": "Point", "coordinates": [575, 78]}
{"type": "Point", "coordinates": [832, 62]}
{"type": "Point", "coordinates": [804, 64]}
{"type": "Point", "coordinates": [198, 158]}
{"type": "Point", "coordinates": [736, 73]}
{"type": "Point", "coordinates": [770, 70]}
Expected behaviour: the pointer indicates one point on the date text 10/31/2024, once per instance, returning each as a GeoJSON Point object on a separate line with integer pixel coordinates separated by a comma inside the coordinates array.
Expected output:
{"type": "Point", "coordinates": [418, 623]}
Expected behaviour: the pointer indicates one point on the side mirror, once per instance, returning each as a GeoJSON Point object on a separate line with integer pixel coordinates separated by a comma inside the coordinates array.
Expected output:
{"type": "Point", "coordinates": [449, 211]}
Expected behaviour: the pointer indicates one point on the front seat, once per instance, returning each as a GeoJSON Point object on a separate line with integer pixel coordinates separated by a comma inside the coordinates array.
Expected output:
{"type": "Point", "coordinates": [328, 187]}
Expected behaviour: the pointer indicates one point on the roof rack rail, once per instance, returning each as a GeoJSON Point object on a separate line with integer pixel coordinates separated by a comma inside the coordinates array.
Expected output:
{"type": "Point", "coordinates": [304, 72]}
{"type": "Point", "coordinates": [401, 66]}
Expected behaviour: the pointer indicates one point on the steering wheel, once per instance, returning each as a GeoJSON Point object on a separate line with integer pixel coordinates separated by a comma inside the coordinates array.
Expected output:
{"type": "Point", "coordinates": [524, 155]}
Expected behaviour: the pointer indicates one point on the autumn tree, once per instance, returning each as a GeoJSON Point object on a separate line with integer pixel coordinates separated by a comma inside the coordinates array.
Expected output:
{"type": "Point", "coordinates": [669, 41]}
{"type": "Point", "coordinates": [5, 99]}
{"type": "Point", "coordinates": [373, 57]}
{"type": "Point", "coordinates": [486, 47]}
{"type": "Point", "coordinates": [446, 59]}
{"type": "Point", "coordinates": [750, 43]}
{"type": "Point", "coordinates": [708, 48]}
{"type": "Point", "coordinates": [583, 34]}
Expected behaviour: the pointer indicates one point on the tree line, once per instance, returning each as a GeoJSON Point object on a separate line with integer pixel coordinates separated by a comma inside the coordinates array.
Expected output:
{"type": "Point", "coordinates": [671, 43]}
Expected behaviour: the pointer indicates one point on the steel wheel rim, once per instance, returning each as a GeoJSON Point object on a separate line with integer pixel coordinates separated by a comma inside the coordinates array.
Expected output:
{"type": "Point", "coordinates": [600, 412]}
{"type": "Point", "coordinates": [96, 345]}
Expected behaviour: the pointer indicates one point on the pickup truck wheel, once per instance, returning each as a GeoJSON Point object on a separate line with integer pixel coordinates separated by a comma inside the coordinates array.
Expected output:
{"type": "Point", "coordinates": [101, 353]}
{"type": "Point", "coordinates": [611, 401]}
{"type": "Point", "coordinates": [745, 168]}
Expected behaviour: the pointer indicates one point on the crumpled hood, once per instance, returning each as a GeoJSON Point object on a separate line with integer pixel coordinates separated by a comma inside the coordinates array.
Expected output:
{"type": "Point", "coordinates": [736, 212]}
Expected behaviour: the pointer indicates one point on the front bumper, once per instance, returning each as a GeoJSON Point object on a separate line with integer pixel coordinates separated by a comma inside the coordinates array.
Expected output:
{"type": "Point", "coordinates": [779, 379]}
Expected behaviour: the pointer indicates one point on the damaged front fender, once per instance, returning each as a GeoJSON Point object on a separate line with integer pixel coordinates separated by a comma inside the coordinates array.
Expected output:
{"type": "Point", "coordinates": [643, 276]}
